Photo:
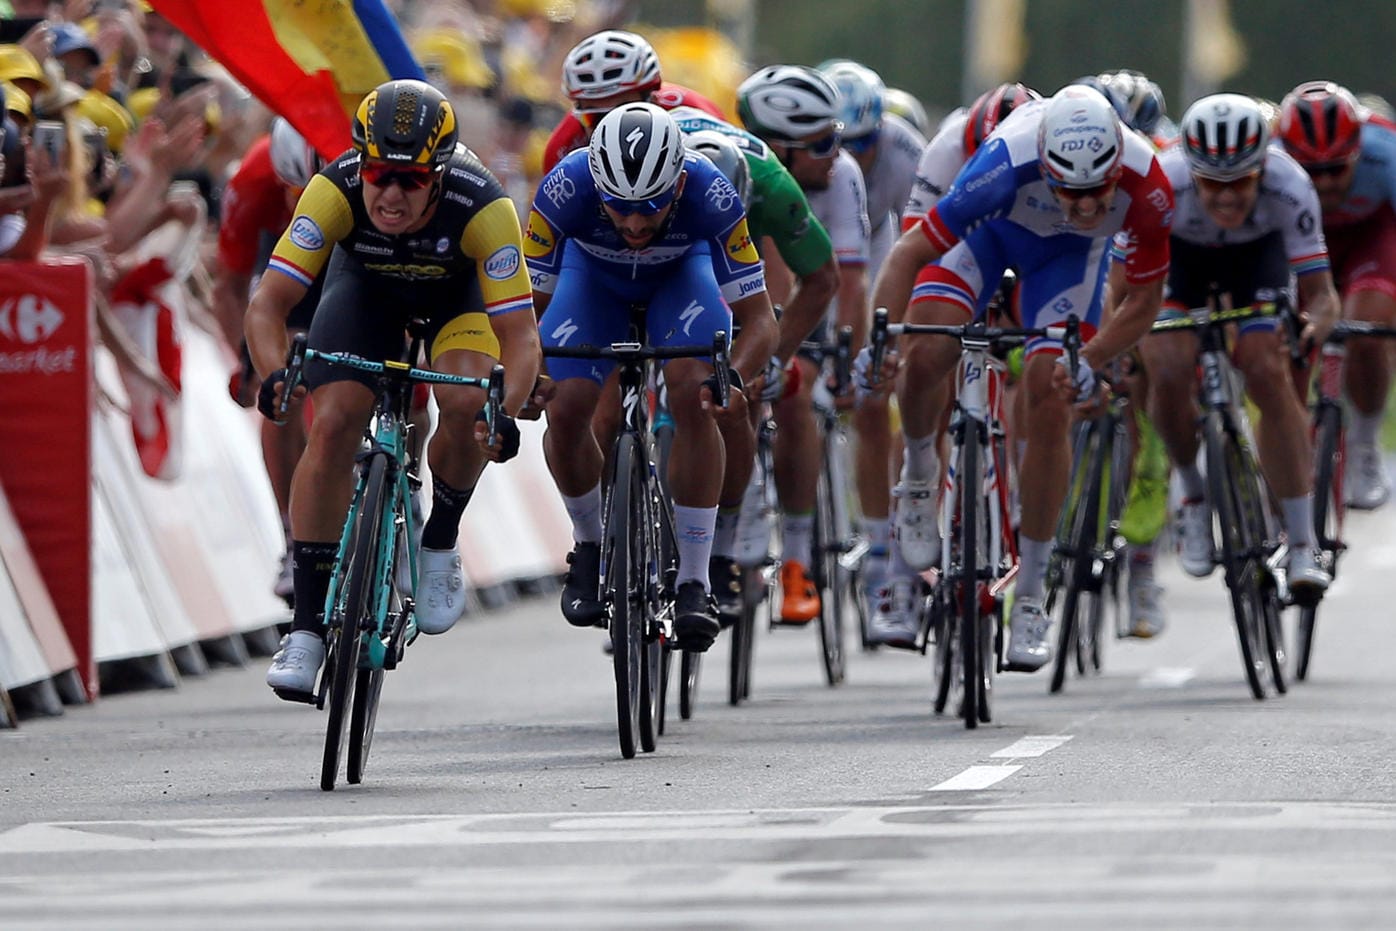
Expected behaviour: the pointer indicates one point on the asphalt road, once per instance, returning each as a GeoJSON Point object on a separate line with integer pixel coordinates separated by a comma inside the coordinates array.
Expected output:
{"type": "Point", "coordinates": [1158, 795]}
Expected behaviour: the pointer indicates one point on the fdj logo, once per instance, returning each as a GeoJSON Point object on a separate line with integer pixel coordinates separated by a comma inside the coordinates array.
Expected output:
{"type": "Point", "coordinates": [1073, 145]}
{"type": "Point", "coordinates": [29, 318]}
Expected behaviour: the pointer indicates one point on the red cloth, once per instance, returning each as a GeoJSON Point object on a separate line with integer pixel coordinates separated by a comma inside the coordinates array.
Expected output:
{"type": "Point", "coordinates": [570, 134]}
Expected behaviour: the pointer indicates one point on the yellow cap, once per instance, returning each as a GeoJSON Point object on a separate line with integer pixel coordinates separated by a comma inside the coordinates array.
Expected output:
{"type": "Point", "coordinates": [17, 64]}
{"type": "Point", "coordinates": [141, 101]}
{"type": "Point", "coordinates": [18, 102]}
{"type": "Point", "coordinates": [110, 115]}
{"type": "Point", "coordinates": [456, 55]}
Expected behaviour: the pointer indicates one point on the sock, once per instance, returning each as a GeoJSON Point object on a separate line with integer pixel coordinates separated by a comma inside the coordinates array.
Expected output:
{"type": "Point", "coordinates": [1032, 566]}
{"type": "Point", "coordinates": [1194, 485]}
{"type": "Point", "coordinates": [725, 531]}
{"type": "Point", "coordinates": [1299, 520]}
{"type": "Point", "coordinates": [1364, 428]}
{"type": "Point", "coordinates": [922, 464]}
{"type": "Point", "coordinates": [447, 505]}
{"type": "Point", "coordinates": [585, 511]}
{"type": "Point", "coordinates": [1141, 561]}
{"type": "Point", "coordinates": [797, 534]}
{"type": "Point", "coordinates": [694, 529]}
{"type": "Point", "coordinates": [312, 564]}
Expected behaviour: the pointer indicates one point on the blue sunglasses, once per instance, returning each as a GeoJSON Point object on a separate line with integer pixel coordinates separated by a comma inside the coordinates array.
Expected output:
{"type": "Point", "coordinates": [646, 207]}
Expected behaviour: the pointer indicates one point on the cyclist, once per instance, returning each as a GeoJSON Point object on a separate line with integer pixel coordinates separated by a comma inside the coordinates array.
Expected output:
{"type": "Point", "coordinates": [1246, 220]}
{"type": "Point", "coordinates": [887, 150]}
{"type": "Point", "coordinates": [795, 111]}
{"type": "Point", "coordinates": [420, 226]}
{"type": "Point", "coordinates": [635, 219]}
{"type": "Point", "coordinates": [776, 210]}
{"type": "Point", "coordinates": [904, 104]}
{"type": "Point", "coordinates": [895, 620]}
{"type": "Point", "coordinates": [1140, 103]}
{"type": "Point", "coordinates": [1044, 194]}
{"type": "Point", "coordinates": [256, 209]}
{"type": "Point", "coordinates": [1351, 158]}
{"type": "Point", "coordinates": [603, 71]}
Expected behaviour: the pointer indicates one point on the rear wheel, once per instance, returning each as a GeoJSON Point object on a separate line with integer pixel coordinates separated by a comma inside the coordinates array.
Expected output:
{"type": "Point", "coordinates": [972, 628]}
{"type": "Point", "coordinates": [367, 691]}
{"type": "Point", "coordinates": [689, 667]}
{"type": "Point", "coordinates": [830, 576]}
{"type": "Point", "coordinates": [1328, 515]}
{"type": "Point", "coordinates": [743, 635]}
{"type": "Point", "coordinates": [1076, 547]}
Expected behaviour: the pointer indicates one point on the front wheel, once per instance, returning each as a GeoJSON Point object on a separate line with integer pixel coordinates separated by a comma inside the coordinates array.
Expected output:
{"type": "Point", "coordinates": [623, 551]}
{"type": "Point", "coordinates": [830, 576]}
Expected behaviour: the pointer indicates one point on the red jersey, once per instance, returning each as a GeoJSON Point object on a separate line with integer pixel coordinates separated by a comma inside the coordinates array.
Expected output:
{"type": "Point", "coordinates": [254, 202]}
{"type": "Point", "coordinates": [571, 134]}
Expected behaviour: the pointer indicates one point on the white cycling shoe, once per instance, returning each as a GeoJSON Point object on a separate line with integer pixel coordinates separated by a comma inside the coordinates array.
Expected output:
{"type": "Point", "coordinates": [917, 534]}
{"type": "Point", "coordinates": [895, 621]}
{"type": "Point", "coordinates": [1365, 485]}
{"type": "Point", "coordinates": [294, 666]}
{"type": "Point", "coordinates": [441, 592]}
{"type": "Point", "coordinates": [1028, 627]}
{"type": "Point", "coordinates": [1196, 552]}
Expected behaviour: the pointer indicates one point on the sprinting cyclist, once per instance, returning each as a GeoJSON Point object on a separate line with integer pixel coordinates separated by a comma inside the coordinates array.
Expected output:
{"type": "Point", "coordinates": [1351, 158]}
{"type": "Point", "coordinates": [635, 218]}
{"type": "Point", "coordinates": [1246, 220]}
{"type": "Point", "coordinates": [1044, 195]}
{"type": "Point", "coordinates": [408, 222]}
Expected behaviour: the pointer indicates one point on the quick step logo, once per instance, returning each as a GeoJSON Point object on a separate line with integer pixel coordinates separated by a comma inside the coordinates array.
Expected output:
{"type": "Point", "coordinates": [30, 319]}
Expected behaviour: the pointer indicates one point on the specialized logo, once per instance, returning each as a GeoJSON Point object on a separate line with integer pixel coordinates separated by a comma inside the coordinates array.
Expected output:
{"type": "Point", "coordinates": [558, 188]}
{"type": "Point", "coordinates": [29, 319]}
{"type": "Point", "coordinates": [692, 312]}
{"type": "Point", "coordinates": [503, 264]}
{"type": "Point", "coordinates": [305, 234]}
{"type": "Point", "coordinates": [633, 140]}
{"type": "Point", "coordinates": [565, 331]}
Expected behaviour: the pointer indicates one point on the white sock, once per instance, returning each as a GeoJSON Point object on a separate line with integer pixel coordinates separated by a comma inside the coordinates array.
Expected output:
{"type": "Point", "coordinates": [1365, 428]}
{"type": "Point", "coordinates": [922, 464]}
{"type": "Point", "coordinates": [585, 511]}
{"type": "Point", "coordinates": [797, 536]}
{"type": "Point", "coordinates": [1032, 566]}
{"type": "Point", "coordinates": [1141, 561]}
{"type": "Point", "coordinates": [694, 529]}
{"type": "Point", "coordinates": [1299, 519]}
{"type": "Point", "coordinates": [725, 531]}
{"type": "Point", "coordinates": [1194, 485]}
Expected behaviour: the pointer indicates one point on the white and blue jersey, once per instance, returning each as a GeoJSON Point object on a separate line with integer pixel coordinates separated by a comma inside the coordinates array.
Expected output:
{"type": "Point", "coordinates": [701, 260]}
{"type": "Point", "coordinates": [1373, 180]}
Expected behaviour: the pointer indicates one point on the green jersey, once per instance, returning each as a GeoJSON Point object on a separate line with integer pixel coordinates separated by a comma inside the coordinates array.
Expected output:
{"type": "Point", "coordinates": [778, 205]}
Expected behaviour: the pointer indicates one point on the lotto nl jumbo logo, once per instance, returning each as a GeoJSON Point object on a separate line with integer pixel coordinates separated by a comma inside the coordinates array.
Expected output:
{"type": "Point", "coordinates": [29, 319]}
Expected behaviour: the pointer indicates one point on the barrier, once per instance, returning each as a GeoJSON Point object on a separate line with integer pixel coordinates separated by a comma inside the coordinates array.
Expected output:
{"type": "Point", "coordinates": [46, 393]}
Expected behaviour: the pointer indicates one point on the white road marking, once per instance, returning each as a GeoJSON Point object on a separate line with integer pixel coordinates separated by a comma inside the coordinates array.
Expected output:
{"type": "Point", "coordinates": [976, 777]}
{"type": "Point", "coordinates": [1167, 677]}
{"type": "Point", "coordinates": [1030, 746]}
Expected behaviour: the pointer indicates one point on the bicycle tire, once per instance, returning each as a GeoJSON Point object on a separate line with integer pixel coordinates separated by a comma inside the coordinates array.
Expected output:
{"type": "Point", "coordinates": [690, 664]}
{"type": "Point", "coordinates": [367, 690]}
{"type": "Point", "coordinates": [1328, 512]}
{"type": "Point", "coordinates": [946, 633]}
{"type": "Point", "coordinates": [967, 584]}
{"type": "Point", "coordinates": [626, 621]}
{"type": "Point", "coordinates": [1238, 548]}
{"type": "Point", "coordinates": [349, 622]}
{"type": "Point", "coordinates": [743, 634]}
{"type": "Point", "coordinates": [1082, 524]}
{"type": "Point", "coordinates": [827, 551]}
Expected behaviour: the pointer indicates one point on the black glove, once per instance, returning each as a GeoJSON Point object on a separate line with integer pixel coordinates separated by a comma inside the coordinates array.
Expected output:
{"type": "Point", "coordinates": [507, 431]}
{"type": "Point", "coordinates": [266, 396]}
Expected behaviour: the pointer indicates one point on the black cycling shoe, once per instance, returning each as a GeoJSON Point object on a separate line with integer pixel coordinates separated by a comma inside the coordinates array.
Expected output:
{"type": "Point", "coordinates": [725, 582]}
{"type": "Point", "coordinates": [695, 626]}
{"type": "Point", "coordinates": [581, 588]}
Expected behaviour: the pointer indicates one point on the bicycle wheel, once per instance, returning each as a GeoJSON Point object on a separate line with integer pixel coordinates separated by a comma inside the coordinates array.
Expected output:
{"type": "Point", "coordinates": [689, 666]}
{"type": "Point", "coordinates": [367, 690]}
{"type": "Point", "coordinates": [623, 553]}
{"type": "Point", "coordinates": [1328, 515]}
{"type": "Point", "coordinates": [972, 645]}
{"type": "Point", "coordinates": [828, 571]}
{"type": "Point", "coordinates": [1077, 546]}
{"type": "Point", "coordinates": [943, 622]}
{"type": "Point", "coordinates": [353, 616]}
{"type": "Point", "coordinates": [1240, 549]}
{"type": "Point", "coordinates": [659, 570]}
{"type": "Point", "coordinates": [742, 636]}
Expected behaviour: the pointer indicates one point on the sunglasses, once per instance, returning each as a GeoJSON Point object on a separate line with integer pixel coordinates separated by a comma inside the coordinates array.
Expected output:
{"type": "Point", "coordinates": [407, 177]}
{"type": "Point", "coordinates": [1328, 169]}
{"type": "Point", "coordinates": [862, 143]}
{"type": "Point", "coordinates": [644, 207]}
{"type": "Point", "coordinates": [1216, 184]}
{"type": "Point", "coordinates": [823, 147]}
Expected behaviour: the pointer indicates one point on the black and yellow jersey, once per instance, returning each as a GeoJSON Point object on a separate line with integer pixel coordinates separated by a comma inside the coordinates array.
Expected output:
{"type": "Point", "coordinates": [474, 233]}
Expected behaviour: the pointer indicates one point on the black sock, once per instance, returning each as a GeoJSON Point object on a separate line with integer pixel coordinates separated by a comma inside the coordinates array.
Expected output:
{"type": "Point", "coordinates": [447, 505]}
{"type": "Point", "coordinates": [312, 564]}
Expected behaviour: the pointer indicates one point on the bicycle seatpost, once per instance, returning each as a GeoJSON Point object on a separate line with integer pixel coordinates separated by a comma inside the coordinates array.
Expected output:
{"type": "Point", "coordinates": [877, 339]}
{"type": "Point", "coordinates": [295, 362]}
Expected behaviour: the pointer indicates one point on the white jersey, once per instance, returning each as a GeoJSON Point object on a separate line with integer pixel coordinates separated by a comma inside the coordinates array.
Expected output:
{"type": "Point", "coordinates": [889, 181]}
{"type": "Point", "coordinates": [1286, 203]}
{"type": "Point", "coordinates": [843, 210]}
{"type": "Point", "coordinates": [940, 161]}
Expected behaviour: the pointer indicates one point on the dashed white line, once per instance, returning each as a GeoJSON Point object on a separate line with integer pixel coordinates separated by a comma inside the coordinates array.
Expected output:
{"type": "Point", "coordinates": [976, 777]}
{"type": "Point", "coordinates": [1168, 677]}
{"type": "Point", "coordinates": [1030, 746]}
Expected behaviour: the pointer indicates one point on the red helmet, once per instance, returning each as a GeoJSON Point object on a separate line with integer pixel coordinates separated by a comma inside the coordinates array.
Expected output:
{"type": "Point", "coordinates": [1320, 122]}
{"type": "Point", "coordinates": [990, 107]}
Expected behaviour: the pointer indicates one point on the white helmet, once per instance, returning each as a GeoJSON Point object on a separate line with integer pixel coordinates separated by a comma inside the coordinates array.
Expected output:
{"type": "Point", "coordinates": [719, 149]}
{"type": "Point", "coordinates": [1225, 136]}
{"type": "Point", "coordinates": [636, 152]}
{"type": "Point", "coordinates": [609, 63]}
{"type": "Point", "coordinates": [860, 97]}
{"type": "Point", "coordinates": [294, 160]}
{"type": "Point", "coordinates": [1080, 141]}
{"type": "Point", "coordinates": [787, 102]}
{"type": "Point", "coordinates": [903, 104]}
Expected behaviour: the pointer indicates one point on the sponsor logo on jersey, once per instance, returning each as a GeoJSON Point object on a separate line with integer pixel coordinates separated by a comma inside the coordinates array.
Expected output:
{"type": "Point", "coordinates": [459, 198]}
{"type": "Point", "coordinates": [538, 236]}
{"type": "Point", "coordinates": [469, 176]}
{"type": "Point", "coordinates": [750, 286]}
{"type": "Point", "coordinates": [739, 244]}
{"type": "Point", "coordinates": [721, 194]}
{"type": "Point", "coordinates": [503, 264]}
{"type": "Point", "coordinates": [558, 188]}
{"type": "Point", "coordinates": [305, 234]}
{"type": "Point", "coordinates": [690, 313]}
{"type": "Point", "coordinates": [443, 245]}
{"type": "Point", "coordinates": [974, 184]}
{"type": "Point", "coordinates": [365, 249]}
{"type": "Point", "coordinates": [411, 270]}
{"type": "Point", "coordinates": [565, 331]}
{"type": "Point", "coordinates": [1158, 199]}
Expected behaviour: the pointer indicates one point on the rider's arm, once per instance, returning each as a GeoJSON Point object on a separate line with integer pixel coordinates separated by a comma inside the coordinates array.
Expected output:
{"type": "Point", "coordinates": [493, 239]}
{"type": "Point", "coordinates": [1135, 312]}
{"type": "Point", "coordinates": [802, 245]}
{"type": "Point", "coordinates": [757, 344]}
{"type": "Point", "coordinates": [805, 307]}
{"type": "Point", "coordinates": [1318, 300]}
{"type": "Point", "coordinates": [910, 253]}
{"type": "Point", "coordinates": [265, 323]}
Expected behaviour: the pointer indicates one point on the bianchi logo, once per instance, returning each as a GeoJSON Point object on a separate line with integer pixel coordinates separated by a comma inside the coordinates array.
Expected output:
{"type": "Point", "coordinates": [29, 319]}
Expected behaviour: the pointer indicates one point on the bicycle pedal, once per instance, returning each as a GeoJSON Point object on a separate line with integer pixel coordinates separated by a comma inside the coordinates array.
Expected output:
{"type": "Point", "coordinates": [305, 698]}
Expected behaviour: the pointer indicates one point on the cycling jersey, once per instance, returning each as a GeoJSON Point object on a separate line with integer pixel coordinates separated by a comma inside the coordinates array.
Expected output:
{"type": "Point", "coordinates": [843, 209]}
{"type": "Point", "coordinates": [1373, 180]}
{"type": "Point", "coordinates": [570, 134]}
{"type": "Point", "coordinates": [778, 207]}
{"type": "Point", "coordinates": [254, 202]}
{"type": "Point", "coordinates": [889, 181]}
{"type": "Point", "coordinates": [940, 161]}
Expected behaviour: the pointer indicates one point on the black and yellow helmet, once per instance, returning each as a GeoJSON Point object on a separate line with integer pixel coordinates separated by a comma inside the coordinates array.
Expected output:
{"type": "Point", "coordinates": [405, 121]}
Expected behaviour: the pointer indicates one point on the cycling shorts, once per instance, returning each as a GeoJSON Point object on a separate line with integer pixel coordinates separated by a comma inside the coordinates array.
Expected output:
{"type": "Point", "coordinates": [1248, 272]}
{"type": "Point", "coordinates": [591, 307]}
{"type": "Point", "coordinates": [366, 315]}
{"type": "Point", "coordinates": [1057, 276]}
{"type": "Point", "coordinates": [1363, 255]}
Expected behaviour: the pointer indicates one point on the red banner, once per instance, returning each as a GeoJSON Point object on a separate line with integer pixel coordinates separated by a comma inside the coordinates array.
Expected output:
{"type": "Point", "coordinates": [46, 466]}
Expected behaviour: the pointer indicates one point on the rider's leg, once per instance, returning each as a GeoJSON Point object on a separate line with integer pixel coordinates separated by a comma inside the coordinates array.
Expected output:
{"type": "Point", "coordinates": [795, 457]}
{"type": "Point", "coordinates": [1368, 380]}
{"type": "Point", "coordinates": [1042, 486]}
